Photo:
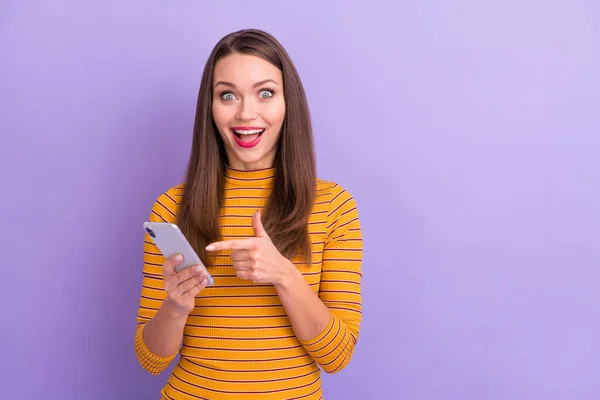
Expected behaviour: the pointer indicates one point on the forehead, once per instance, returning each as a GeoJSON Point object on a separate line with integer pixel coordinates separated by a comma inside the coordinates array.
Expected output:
{"type": "Point", "coordinates": [244, 70]}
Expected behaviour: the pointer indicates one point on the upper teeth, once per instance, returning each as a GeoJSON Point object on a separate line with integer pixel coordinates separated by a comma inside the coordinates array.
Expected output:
{"type": "Point", "coordinates": [248, 132]}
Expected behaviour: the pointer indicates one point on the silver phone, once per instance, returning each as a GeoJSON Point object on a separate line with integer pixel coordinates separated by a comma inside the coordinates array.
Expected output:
{"type": "Point", "coordinates": [170, 241]}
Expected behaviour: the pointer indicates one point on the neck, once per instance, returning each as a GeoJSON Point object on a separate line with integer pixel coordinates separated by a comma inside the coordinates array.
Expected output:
{"type": "Point", "coordinates": [256, 177]}
{"type": "Point", "coordinates": [240, 166]}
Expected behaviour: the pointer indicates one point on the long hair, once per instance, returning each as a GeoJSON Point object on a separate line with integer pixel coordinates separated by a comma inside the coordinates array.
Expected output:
{"type": "Point", "coordinates": [289, 205]}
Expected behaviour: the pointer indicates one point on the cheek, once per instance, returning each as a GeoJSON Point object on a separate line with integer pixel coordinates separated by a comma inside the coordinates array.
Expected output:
{"type": "Point", "coordinates": [217, 114]}
{"type": "Point", "coordinates": [221, 116]}
{"type": "Point", "coordinates": [275, 114]}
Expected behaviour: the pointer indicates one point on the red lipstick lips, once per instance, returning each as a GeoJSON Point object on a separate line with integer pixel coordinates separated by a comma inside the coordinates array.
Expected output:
{"type": "Point", "coordinates": [247, 136]}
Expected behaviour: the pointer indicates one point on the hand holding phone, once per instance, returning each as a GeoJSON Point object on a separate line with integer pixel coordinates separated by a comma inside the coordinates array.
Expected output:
{"type": "Point", "coordinates": [182, 287]}
{"type": "Point", "coordinates": [184, 274]}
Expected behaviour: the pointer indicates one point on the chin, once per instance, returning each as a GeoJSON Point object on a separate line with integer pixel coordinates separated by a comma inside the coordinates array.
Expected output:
{"type": "Point", "coordinates": [251, 161]}
{"type": "Point", "coordinates": [255, 160]}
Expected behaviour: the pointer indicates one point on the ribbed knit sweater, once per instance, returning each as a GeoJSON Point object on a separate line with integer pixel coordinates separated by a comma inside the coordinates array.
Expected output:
{"type": "Point", "coordinates": [238, 341]}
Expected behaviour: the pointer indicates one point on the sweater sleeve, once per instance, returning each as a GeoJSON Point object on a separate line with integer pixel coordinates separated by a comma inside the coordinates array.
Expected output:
{"type": "Point", "coordinates": [152, 292]}
{"type": "Point", "coordinates": [340, 288]}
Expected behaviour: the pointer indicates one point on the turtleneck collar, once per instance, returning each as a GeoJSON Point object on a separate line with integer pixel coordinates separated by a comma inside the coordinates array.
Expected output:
{"type": "Point", "coordinates": [257, 177]}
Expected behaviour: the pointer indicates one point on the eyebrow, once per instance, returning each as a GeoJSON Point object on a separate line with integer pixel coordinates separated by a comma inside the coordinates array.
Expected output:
{"type": "Point", "coordinates": [253, 86]}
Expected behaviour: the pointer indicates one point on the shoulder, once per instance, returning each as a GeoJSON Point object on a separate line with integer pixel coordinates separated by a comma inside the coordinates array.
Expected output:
{"type": "Point", "coordinates": [339, 200]}
{"type": "Point", "coordinates": [342, 211]}
{"type": "Point", "coordinates": [166, 205]}
{"type": "Point", "coordinates": [332, 192]}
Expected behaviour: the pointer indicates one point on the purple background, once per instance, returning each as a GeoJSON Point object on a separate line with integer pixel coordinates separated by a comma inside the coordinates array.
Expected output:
{"type": "Point", "coordinates": [467, 131]}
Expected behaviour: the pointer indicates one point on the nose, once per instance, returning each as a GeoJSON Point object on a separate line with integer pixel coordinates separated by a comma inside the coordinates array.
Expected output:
{"type": "Point", "coordinates": [247, 110]}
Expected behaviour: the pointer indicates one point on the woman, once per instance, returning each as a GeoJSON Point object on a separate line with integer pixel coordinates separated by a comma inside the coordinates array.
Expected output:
{"type": "Point", "coordinates": [283, 247]}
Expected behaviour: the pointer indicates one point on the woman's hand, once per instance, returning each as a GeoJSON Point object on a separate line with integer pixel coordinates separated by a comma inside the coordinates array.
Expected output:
{"type": "Point", "coordinates": [182, 287]}
{"type": "Point", "coordinates": [256, 259]}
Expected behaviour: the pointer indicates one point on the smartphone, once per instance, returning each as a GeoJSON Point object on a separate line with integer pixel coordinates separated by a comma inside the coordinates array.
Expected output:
{"type": "Point", "coordinates": [170, 241]}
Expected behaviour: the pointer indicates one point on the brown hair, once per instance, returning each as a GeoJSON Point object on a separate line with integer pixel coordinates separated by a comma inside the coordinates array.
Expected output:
{"type": "Point", "coordinates": [288, 208]}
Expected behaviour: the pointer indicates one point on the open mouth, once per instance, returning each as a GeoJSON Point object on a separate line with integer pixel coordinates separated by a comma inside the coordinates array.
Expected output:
{"type": "Point", "coordinates": [247, 137]}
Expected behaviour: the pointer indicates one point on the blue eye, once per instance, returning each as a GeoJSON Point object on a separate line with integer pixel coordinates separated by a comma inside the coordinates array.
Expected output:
{"type": "Point", "coordinates": [227, 96]}
{"type": "Point", "coordinates": [265, 94]}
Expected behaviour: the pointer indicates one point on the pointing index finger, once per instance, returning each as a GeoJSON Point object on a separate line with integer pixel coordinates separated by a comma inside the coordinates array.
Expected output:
{"type": "Point", "coordinates": [230, 245]}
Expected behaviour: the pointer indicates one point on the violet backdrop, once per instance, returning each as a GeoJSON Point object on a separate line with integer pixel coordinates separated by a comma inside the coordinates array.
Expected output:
{"type": "Point", "coordinates": [467, 131]}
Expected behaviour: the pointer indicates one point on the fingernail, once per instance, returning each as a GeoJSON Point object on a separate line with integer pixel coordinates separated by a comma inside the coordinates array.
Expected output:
{"type": "Point", "coordinates": [210, 247]}
{"type": "Point", "coordinates": [198, 269]}
{"type": "Point", "coordinates": [178, 257]}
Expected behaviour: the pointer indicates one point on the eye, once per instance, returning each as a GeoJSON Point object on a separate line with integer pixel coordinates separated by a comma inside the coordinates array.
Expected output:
{"type": "Point", "coordinates": [266, 94]}
{"type": "Point", "coordinates": [227, 96]}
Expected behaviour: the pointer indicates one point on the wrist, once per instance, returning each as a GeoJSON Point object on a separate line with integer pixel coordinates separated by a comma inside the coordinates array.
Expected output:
{"type": "Point", "coordinates": [288, 276]}
{"type": "Point", "coordinates": [170, 308]}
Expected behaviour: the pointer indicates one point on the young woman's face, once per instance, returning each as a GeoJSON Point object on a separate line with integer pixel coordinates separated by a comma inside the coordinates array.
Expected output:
{"type": "Point", "coordinates": [248, 109]}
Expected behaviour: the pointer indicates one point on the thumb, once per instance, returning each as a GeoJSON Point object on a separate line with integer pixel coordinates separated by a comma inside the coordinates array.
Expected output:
{"type": "Point", "coordinates": [259, 230]}
{"type": "Point", "coordinates": [171, 263]}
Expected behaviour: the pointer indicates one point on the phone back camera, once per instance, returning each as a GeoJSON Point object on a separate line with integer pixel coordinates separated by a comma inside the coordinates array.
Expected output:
{"type": "Point", "coordinates": [150, 232]}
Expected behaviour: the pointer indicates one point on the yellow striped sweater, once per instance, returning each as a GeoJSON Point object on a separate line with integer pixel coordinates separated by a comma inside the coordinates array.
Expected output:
{"type": "Point", "coordinates": [238, 341]}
